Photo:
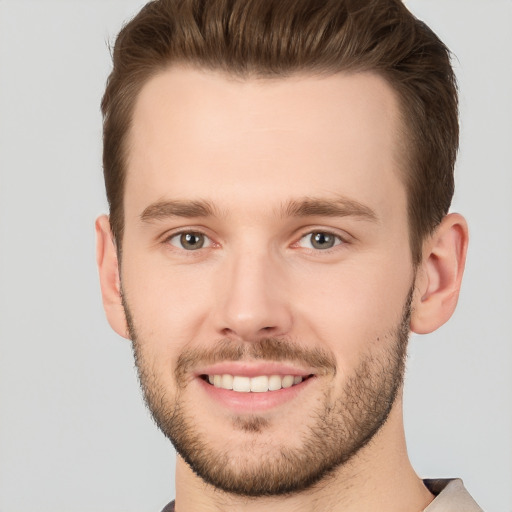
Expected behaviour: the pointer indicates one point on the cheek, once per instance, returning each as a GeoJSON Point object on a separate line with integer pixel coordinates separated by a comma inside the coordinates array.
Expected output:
{"type": "Point", "coordinates": [354, 307]}
{"type": "Point", "coordinates": [169, 304]}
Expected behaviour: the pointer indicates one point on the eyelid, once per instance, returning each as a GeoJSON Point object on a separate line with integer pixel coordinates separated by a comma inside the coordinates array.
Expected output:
{"type": "Point", "coordinates": [343, 237]}
{"type": "Point", "coordinates": [207, 242]}
{"type": "Point", "coordinates": [166, 237]}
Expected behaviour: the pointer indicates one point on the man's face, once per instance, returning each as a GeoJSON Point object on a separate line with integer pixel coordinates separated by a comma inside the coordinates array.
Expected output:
{"type": "Point", "coordinates": [266, 248]}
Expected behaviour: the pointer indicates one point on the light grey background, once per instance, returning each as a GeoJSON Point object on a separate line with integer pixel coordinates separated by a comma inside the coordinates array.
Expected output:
{"type": "Point", "coordinates": [74, 435]}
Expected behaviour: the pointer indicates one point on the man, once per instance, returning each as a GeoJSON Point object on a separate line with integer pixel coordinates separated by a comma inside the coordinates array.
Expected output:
{"type": "Point", "coordinates": [279, 174]}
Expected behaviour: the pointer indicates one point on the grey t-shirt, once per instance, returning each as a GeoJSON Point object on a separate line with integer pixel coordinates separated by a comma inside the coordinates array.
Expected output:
{"type": "Point", "coordinates": [450, 496]}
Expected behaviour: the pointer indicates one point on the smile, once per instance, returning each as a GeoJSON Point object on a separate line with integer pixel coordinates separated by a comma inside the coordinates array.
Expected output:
{"type": "Point", "coordinates": [257, 384]}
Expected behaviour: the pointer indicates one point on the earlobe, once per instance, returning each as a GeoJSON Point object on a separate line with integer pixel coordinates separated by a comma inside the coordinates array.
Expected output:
{"type": "Point", "coordinates": [108, 268]}
{"type": "Point", "coordinates": [440, 275]}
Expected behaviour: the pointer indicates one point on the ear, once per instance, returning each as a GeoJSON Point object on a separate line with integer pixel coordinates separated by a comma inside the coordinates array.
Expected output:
{"type": "Point", "coordinates": [439, 277]}
{"type": "Point", "coordinates": [110, 282]}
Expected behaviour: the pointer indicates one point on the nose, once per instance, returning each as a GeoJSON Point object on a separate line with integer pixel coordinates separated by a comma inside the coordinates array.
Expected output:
{"type": "Point", "coordinates": [253, 299]}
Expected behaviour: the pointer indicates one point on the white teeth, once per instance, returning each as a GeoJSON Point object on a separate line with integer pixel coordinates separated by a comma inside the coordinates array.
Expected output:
{"type": "Point", "coordinates": [287, 381]}
{"type": "Point", "coordinates": [227, 381]}
{"type": "Point", "coordinates": [259, 384]}
{"type": "Point", "coordinates": [274, 383]}
{"type": "Point", "coordinates": [242, 384]}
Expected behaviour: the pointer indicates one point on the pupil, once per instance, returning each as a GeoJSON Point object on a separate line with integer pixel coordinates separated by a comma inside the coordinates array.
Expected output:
{"type": "Point", "coordinates": [322, 241]}
{"type": "Point", "coordinates": [192, 241]}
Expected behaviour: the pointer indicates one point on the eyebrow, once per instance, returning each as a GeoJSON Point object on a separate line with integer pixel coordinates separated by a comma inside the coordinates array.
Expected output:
{"type": "Point", "coordinates": [306, 207]}
{"type": "Point", "coordinates": [177, 208]}
{"type": "Point", "coordinates": [339, 207]}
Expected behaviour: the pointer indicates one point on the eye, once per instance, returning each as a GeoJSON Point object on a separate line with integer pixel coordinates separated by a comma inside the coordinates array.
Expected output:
{"type": "Point", "coordinates": [190, 241]}
{"type": "Point", "coordinates": [319, 240]}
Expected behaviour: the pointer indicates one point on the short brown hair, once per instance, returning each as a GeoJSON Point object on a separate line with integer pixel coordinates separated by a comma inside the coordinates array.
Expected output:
{"type": "Point", "coordinates": [277, 38]}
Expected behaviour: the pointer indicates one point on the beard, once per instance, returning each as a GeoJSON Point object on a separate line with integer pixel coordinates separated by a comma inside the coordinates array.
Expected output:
{"type": "Point", "coordinates": [337, 427]}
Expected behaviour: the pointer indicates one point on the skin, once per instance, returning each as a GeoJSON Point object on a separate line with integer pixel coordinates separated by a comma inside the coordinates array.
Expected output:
{"type": "Point", "coordinates": [246, 148]}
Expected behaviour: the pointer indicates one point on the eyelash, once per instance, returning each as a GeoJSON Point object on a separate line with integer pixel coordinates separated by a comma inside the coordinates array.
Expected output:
{"type": "Point", "coordinates": [193, 232]}
{"type": "Point", "coordinates": [338, 240]}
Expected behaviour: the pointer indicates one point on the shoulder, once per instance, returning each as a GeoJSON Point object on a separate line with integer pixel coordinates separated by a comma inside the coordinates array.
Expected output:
{"type": "Point", "coordinates": [451, 496]}
{"type": "Point", "coordinates": [169, 507]}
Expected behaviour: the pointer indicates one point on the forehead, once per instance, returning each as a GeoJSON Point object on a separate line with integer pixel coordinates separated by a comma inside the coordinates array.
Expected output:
{"type": "Point", "coordinates": [201, 130]}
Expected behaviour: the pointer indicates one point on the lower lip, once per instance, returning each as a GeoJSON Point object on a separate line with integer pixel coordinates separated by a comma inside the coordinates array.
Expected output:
{"type": "Point", "coordinates": [254, 402]}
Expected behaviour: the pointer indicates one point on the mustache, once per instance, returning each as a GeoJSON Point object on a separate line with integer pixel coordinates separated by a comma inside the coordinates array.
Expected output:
{"type": "Point", "coordinates": [269, 349]}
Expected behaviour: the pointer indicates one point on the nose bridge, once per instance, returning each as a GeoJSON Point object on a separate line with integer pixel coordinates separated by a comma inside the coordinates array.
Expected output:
{"type": "Point", "coordinates": [253, 304]}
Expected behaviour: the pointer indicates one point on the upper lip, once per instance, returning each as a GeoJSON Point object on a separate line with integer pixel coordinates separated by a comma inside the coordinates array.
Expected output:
{"type": "Point", "coordinates": [254, 369]}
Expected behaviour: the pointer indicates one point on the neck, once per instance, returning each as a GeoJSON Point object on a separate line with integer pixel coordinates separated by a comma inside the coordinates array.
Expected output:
{"type": "Point", "coordinates": [379, 478]}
